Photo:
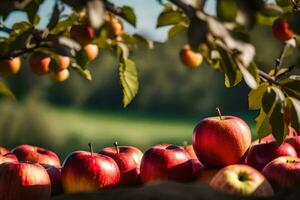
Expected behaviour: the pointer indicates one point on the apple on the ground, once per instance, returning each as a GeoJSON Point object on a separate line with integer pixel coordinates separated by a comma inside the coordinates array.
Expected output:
{"type": "Point", "coordinates": [260, 155]}
{"type": "Point", "coordinates": [24, 181]}
{"type": "Point", "coordinates": [241, 180]}
{"type": "Point", "coordinates": [221, 141]}
{"type": "Point", "coordinates": [128, 159]}
{"type": "Point", "coordinates": [36, 155]}
{"type": "Point", "coordinates": [166, 162]}
{"type": "Point", "coordinates": [55, 178]}
{"type": "Point", "coordinates": [283, 172]}
{"type": "Point", "coordinates": [85, 171]}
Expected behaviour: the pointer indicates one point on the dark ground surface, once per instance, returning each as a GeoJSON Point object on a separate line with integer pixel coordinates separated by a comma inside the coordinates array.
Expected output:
{"type": "Point", "coordinates": [172, 191]}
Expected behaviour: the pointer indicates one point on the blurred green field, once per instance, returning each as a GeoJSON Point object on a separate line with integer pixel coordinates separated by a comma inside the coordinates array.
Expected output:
{"type": "Point", "coordinates": [67, 129]}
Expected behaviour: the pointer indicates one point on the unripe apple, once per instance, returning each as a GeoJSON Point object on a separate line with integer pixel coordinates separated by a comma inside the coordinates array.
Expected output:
{"type": "Point", "coordinates": [91, 51]}
{"type": "Point", "coordinates": [39, 63]}
{"type": "Point", "coordinates": [60, 76]}
{"type": "Point", "coordinates": [10, 66]}
{"type": "Point", "coordinates": [115, 28]}
{"type": "Point", "coordinates": [281, 30]}
{"type": "Point", "coordinates": [60, 63]}
{"type": "Point", "coordinates": [82, 33]}
{"type": "Point", "coordinates": [190, 58]}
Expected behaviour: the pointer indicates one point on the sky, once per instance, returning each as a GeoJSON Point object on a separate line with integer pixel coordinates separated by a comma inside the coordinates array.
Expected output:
{"type": "Point", "coordinates": [147, 12]}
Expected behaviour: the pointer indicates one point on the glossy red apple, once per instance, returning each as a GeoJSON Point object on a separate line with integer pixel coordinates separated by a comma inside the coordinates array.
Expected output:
{"type": "Point", "coordinates": [10, 66]}
{"type": "Point", "coordinates": [260, 155]}
{"type": "Point", "coordinates": [221, 141]}
{"type": "Point", "coordinates": [39, 63]}
{"type": "Point", "coordinates": [241, 180]}
{"type": "Point", "coordinates": [166, 162]}
{"type": "Point", "coordinates": [295, 142]}
{"type": "Point", "coordinates": [55, 178]}
{"type": "Point", "coordinates": [281, 29]}
{"type": "Point", "coordinates": [128, 159]}
{"type": "Point", "coordinates": [82, 33]}
{"type": "Point", "coordinates": [197, 165]}
{"type": "Point", "coordinates": [283, 172]}
{"type": "Point", "coordinates": [3, 151]}
{"type": "Point", "coordinates": [24, 181]}
{"type": "Point", "coordinates": [87, 171]}
{"type": "Point", "coordinates": [36, 155]}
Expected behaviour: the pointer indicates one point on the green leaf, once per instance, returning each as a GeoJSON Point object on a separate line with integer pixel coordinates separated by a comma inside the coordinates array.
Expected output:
{"type": "Point", "coordinates": [227, 10]}
{"type": "Point", "coordinates": [4, 90]}
{"type": "Point", "coordinates": [250, 80]}
{"type": "Point", "coordinates": [271, 10]}
{"type": "Point", "coordinates": [272, 96]}
{"type": "Point", "coordinates": [294, 111]}
{"type": "Point", "coordinates": [284, 3]}
{"type": "Point", "coordinates": [197, 32]}
{"type": "Point", "coordinates": [170, 17]}
{"type": "Point", "coordinates": [54, 18]}
{"type": "Point", "coordinates": [263, 127]}
{"type": "Point", "coordinates": [279, 127]}
{"type": "Point", "coordinates": [255, 96]}
{"type": "Point", "coordinates": [176, 29]}
{"type": "Point", "coordinates": [232, 75]}
{"type": "Point", "coordinates": [129, 15]}
{"type": "Point", "coordinates": [264, 20]}
{"type": "Point", "coordinates": [82, 59]}
{"type": "Point", "coordinates": [291, 85]}
{"type": "Point", "coordinates": [129, 80]}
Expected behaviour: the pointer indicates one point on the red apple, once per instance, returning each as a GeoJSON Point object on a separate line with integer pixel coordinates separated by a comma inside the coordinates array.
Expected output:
{"type": "Point", "coordinates": [260, 155]}
{"type": "Point", "coordinates": [295, 142]}
{"type": "Point", "coordinates": [91, 51]}
{"type": "Point", "coordinates": [82, 33]}
{"type": "Point", "coordinates": [241, 180]}
{"type": "Point", "coordinates": [10, 66]}
{"type": "Point", "coordinates": [55, 178]}
{"type": "Point", "coordinates": [281, 29]}
{"type": "Point", "coordinates": [221, 141]}
{"type": "Point", "coordinates": [87, 171]}
{"type": "Point", "coordinates": [166, 162]}
{"type": "Point", "coordinates": [283, 172]}
{"type": "Point", "coordinates": [24, 181]}
{"type": "Point", "coordinates": [3, 151]}
{"type": "Point", "coordinates": [206, 174]}
{"type": "Point", "coordinates": [8, 157]}
{"type": "Point", "coordinates": [190, 58]}
{"type": "Point", "coordinates": [60, 76]}
{"type": "Point", "coordinates": [36, 155]}
{"type": "Point", "coordinates": [197, 165]}
{"type": "Point", "coordinates": [128, 159]}
{"type": "Point", "coordinates": [59, 63]}
{"type": "Point", "coordinates": [39, 63]}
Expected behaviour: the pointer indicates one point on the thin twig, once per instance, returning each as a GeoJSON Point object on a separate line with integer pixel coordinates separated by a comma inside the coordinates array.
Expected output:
{"type": "Point", "coordinates": [280, 59]}
{"type": "Point", "coordinates": [5, 29]}
{"type": "Point", "coordinates": [267, 77]}
{"type": "Point", "coordinates": [112, 8]}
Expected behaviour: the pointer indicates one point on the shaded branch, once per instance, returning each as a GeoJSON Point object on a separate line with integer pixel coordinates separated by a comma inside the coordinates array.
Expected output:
{"type": "Point", "coordinates": [189, 11]}
{"type": "Point", "coordinates": [112, 8]}
{"type": "Point", "coordinates": [279, 60]}
{"type": "Point", "coordinates": [267, 77]}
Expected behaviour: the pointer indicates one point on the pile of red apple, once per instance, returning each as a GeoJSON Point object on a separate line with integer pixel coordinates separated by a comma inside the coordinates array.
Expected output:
{"type": "Point", "coordinates": [222, 156]}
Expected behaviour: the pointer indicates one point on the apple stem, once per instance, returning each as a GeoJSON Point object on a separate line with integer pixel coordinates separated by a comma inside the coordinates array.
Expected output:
{"type": "Point", "coordinates": [91, 149]}
{"type": "Point", "coordinates": [219, 113]}
{"type": "Point", "coordinates": [116, 146]}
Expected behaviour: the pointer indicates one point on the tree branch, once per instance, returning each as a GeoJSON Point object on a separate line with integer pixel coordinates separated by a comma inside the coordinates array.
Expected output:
{"type": "Point", "coordinates": [189, 11]}
{"type": "Point", "coordinates": [267, 77]}
{"type": "Point", "coordinates": [112, 8]}
{"type": "Point", "coordinates": [280, 59]}
{"type": "Point", "coordinates": [5, 29]}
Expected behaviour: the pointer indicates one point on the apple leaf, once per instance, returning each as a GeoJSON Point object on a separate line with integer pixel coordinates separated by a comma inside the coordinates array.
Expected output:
{"type": "Point", "coordinates": [197, 32]}
{"type": "Point", "coordinates": [176, 29]}
{"type": "Point", "coordinates": [255, 96]}
{"type": "Point", "coordinates": [227, 10]}
{"type": "Point", "coordinates": [4, 90]}
{"type": "Point", "coordinates": [54, 18]}
{"type": "Point", "coordinates": [263, 127]}
{"type": "Point", "coordinates": [291, 86]}
{"type": "Point", "coordinates": [129, 80]}
{"type": "Point", "coordinates": [129, 15]}
{"type": "Point", "coordinates": [294, 108]}
{"type": "Point", "coordinates": [279, 127]}
{"type": "Point", "coordinates": [170, 17]}
{"type": "Point", "coordinates": [232, 75]}
{"type": "Point", "coordinates": [32, 9]}
{"type": "Point", "coordinates": [248, 77]}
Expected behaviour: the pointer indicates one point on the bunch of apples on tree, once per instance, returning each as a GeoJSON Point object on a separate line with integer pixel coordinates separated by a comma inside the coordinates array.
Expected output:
{"type": "Point", "coordinates": [222, 155]}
